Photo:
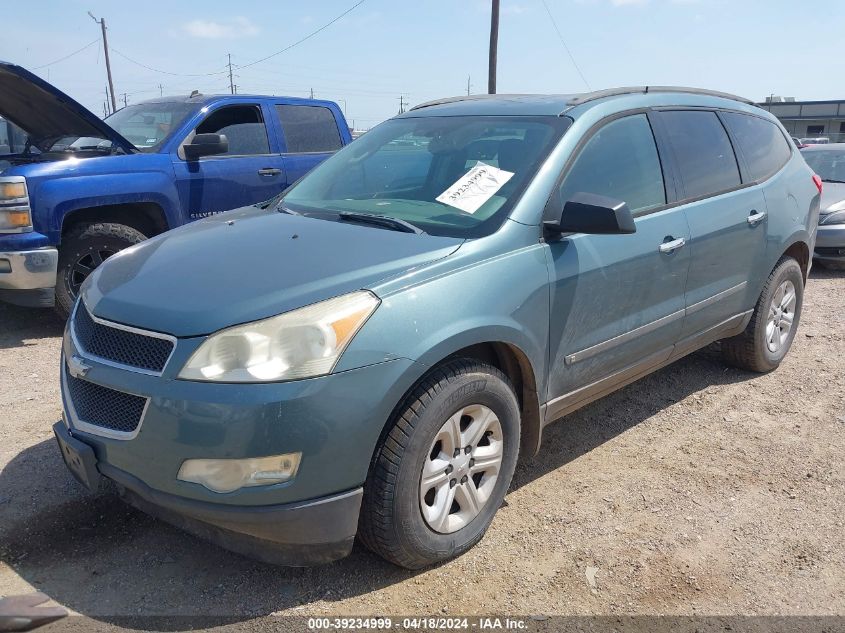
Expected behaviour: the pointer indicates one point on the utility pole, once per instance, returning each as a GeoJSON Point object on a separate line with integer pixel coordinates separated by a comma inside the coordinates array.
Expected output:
{"type": "Point", "coordinates": [160, 90]}
{"type": "Point", "coordinates": [494, 46]}
{"type": "Point", "coordinates": [231, 80]}
{"type": "Point", "coordinates": [125, 100]}
{"type": "Point", "coordinates": [469, 85]}
{"type": "Point", "coordinates": [312, 93]}
{"type": "Point", "coordinates": [402, 103]}
{"type": "Point", "coordinates": [102, 23]}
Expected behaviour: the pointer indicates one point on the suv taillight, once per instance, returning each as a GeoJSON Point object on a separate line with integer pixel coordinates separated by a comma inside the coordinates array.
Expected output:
{"type": "Point", "coordinates": [15, 213]}
{"type": "Point", "coordinates": [818, 182]}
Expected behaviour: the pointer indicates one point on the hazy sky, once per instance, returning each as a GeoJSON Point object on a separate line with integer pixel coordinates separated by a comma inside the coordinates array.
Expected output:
{"type": "Point", "coordinates": [425, 49]}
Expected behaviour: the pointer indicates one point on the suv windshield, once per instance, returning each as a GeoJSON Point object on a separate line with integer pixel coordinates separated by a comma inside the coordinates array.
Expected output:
{"type": "Point", "coordinates": [146, 125]}
{"type": "Point", "coordinates": [456, 176]}
{"type": "Point", "coordinates": [827, 163]}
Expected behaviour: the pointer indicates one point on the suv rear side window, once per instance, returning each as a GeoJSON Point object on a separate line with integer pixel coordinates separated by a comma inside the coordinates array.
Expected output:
{"type": "Point", "coordinates": [703, 152]}
{"type": "Point", "coordinates": [761, 142]}
{"type": "Point", "coordinates": [308, 128]}
{"type": "Point", "coordinates": [619, 161]}
{"type": "Point", "coordinates": [243, 126]}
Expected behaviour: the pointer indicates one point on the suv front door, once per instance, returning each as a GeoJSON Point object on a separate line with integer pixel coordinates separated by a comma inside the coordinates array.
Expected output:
{"type": "Point", "coordinates": [617, 301]}
{"type": "Point", "coordinates": [250, 172]}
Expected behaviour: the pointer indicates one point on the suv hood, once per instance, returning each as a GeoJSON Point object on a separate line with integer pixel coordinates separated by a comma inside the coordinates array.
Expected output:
{"type": "Point", "coordinates": [47, 114]}
{"type": "Point", "coordinates": [246, 265]}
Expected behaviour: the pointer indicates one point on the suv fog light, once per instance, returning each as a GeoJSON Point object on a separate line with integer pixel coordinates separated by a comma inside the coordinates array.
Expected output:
{"type": "Point", "coordinates": [228, 475]}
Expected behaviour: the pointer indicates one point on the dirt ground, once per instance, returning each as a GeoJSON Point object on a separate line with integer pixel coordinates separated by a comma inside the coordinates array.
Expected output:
{"type": "Point", "coordinates": [698, 490]}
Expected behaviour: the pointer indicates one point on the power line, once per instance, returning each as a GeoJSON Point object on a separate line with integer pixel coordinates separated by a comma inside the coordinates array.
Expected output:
{"type": "Point", "coordinates": [307, 37]}
{"type": "Point", "coordinates": [167, 72]}
{"type": "Point", "coordinates": [87, 46]}
{"type": "Point", "coordinates": [568, 52]}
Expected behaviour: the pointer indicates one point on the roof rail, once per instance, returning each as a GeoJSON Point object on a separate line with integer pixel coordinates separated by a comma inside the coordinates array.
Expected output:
{"type": "Point", "coordinates": [428, 104]}
{"type": "Point", "coordinates": [612, 92]}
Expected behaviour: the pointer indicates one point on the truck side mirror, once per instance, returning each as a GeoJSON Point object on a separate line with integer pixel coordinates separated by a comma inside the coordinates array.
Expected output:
{"type": "Point", "coordinates": [591, 213]}
{"type": "Point", "coordinates": [206, 145]}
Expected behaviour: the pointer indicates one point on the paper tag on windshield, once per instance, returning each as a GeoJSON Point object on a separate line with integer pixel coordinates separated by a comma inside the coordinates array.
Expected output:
{"type": "Point", "coordinates": [475, 187]}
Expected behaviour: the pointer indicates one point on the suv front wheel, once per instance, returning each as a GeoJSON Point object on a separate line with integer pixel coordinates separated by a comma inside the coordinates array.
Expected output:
{"type": "Point", "coordinates": [769, 335]}
{"type": "Point", "coordinates": [444, 467]}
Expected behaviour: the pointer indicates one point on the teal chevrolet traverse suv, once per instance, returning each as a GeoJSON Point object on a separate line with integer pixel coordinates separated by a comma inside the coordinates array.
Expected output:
{"type": "Point", "coordinates": [370, 353]}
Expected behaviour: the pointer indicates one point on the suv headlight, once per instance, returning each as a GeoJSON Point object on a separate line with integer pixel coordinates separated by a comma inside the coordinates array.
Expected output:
{"type": "Point", "coordinates": [299, 344]}
{"type": "Point", "coordinates": [833, 218]}
{"type": "Point", "coordinates": [15, 215]}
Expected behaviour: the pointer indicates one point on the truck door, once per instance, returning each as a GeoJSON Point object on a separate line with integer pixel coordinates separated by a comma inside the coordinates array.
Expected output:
{"type": "Point", "coordinates": [250, 172]}
{"type": "Point", "coordinates": [310, 135]}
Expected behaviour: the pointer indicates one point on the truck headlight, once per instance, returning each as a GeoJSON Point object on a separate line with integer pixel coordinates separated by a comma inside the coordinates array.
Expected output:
{"type": "Point", "coordinates": [15, 215]}
{"type": "Point", "coordinates": [228, 475]}
{"type": "Point", "coordinates": [299, 344]}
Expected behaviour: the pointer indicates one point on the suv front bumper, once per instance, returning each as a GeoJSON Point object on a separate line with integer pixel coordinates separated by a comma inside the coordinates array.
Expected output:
{"type": "Point", "coordinates": [301, 533]}
{"type": "Point", "coordinates": [830, 243]}
{"type": "Point", "coordinates": [29, 277]}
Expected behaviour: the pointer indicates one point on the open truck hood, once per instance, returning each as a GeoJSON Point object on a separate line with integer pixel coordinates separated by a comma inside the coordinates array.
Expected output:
{"type": "Point", "coordinates": [47, 114]}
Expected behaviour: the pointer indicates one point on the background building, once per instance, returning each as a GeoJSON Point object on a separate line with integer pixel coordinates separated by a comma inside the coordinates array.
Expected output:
{"type": "Point", "coordinates": [809, 119]}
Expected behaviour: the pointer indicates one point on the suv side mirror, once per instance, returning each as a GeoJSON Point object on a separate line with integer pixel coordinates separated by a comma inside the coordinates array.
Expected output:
{"type": "Point", "coordinates": [591, 213]}
{"type": "Point", "coordinates": [206, 145]}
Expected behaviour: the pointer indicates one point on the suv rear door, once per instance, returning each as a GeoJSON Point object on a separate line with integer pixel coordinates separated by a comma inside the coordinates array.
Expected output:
{"type": "Point", "coordinates": [727, 219]}
{"type": "Point", "coordinates": [617, 301]}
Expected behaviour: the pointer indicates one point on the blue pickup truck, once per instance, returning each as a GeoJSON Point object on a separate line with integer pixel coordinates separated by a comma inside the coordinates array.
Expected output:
{"type": "Point", "coordinates": [80, 189]}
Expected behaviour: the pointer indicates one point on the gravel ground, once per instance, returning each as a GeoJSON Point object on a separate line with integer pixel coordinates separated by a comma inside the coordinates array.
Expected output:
{"type": "Point", "coordinates": [698, 490]}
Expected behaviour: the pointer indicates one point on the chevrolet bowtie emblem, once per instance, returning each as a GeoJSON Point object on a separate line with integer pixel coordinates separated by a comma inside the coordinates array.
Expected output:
{"type": "Point", "coordinates": [77, 367]}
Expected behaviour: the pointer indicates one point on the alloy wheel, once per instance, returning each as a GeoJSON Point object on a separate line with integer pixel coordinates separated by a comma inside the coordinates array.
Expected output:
{"type": "Point", "coordinates": [461, 468]}
{"type": "Point", "coordinates": [781, 316]}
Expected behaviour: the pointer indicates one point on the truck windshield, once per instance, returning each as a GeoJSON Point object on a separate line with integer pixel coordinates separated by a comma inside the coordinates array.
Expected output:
{"type": "Point", "coordinates": [146, 125]}
{"type": "Point", "coordinates": [456, 176]}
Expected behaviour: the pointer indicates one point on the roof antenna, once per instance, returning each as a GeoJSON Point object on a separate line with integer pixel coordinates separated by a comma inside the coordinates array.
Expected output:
{"type": "Point", "coordinates": [194, 93]}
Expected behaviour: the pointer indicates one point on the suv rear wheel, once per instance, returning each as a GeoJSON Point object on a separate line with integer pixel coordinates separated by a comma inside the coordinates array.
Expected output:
{"type": "Point", "coordinates": [84, 249]}
{"type": "Point", "coordinates": [769, 335]}
{"type": "Point", "coordinates": [443, 470]}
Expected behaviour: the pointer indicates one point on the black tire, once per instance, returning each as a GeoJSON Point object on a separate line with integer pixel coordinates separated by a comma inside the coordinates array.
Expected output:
{"type": "Point", "coordinates": [392, 523]}
{"type": "Point", "coordinates": [750, 349]}
{"type": "Point", "coordinates": [85, 247]}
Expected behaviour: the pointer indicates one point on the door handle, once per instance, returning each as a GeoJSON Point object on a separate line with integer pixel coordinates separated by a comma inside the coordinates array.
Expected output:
{"type": "Point", "coordinates": [756, 217]}
{"type": "Point", "coordinates": [668, 247]}
{"type": "Point", "coordinates": [269, 171]}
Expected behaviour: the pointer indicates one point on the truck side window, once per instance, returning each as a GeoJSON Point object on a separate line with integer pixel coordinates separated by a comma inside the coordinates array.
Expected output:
{"type": "Point", "coordinates": [242, 125]}
{"type": "Point", "coordinates": [619, 161]}
{"type": "Point", "coordinates": [308, 129]}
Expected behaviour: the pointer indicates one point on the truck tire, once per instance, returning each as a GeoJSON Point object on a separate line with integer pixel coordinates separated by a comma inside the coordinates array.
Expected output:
{"type": "Point", "coordinates": [82, 250]}
{"type": "Point", "coordinates": [442, 471]}
{"type": "Point", "coordinates": [769, 334]}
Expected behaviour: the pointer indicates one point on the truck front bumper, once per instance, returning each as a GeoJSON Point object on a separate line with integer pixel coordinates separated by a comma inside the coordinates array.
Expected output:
{"type": "Point", "coordinates": [29, 277]}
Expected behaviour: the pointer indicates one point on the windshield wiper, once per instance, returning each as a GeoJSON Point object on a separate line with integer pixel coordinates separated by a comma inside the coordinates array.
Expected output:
{"type": "Point", "coordinates": [381, 220]}
{"type": "Point", "coordinates": [832, 180]}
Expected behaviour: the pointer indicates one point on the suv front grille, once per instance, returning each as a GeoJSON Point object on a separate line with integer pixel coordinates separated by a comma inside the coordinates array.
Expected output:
{"type": "Point", "coordinates": [117, 345]}
{"type": "Point", "coordinates": [104, 407]}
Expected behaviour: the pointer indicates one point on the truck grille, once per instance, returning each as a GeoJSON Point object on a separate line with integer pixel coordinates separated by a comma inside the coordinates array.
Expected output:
{"type": "Point", "coordinates": [117, 345]}
{"type": "Point", "coordinates": [104, 407]}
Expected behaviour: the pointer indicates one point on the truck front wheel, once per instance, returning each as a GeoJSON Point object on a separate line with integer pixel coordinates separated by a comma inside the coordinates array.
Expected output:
{"type": "Point", "coordinates": [82, 250]}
